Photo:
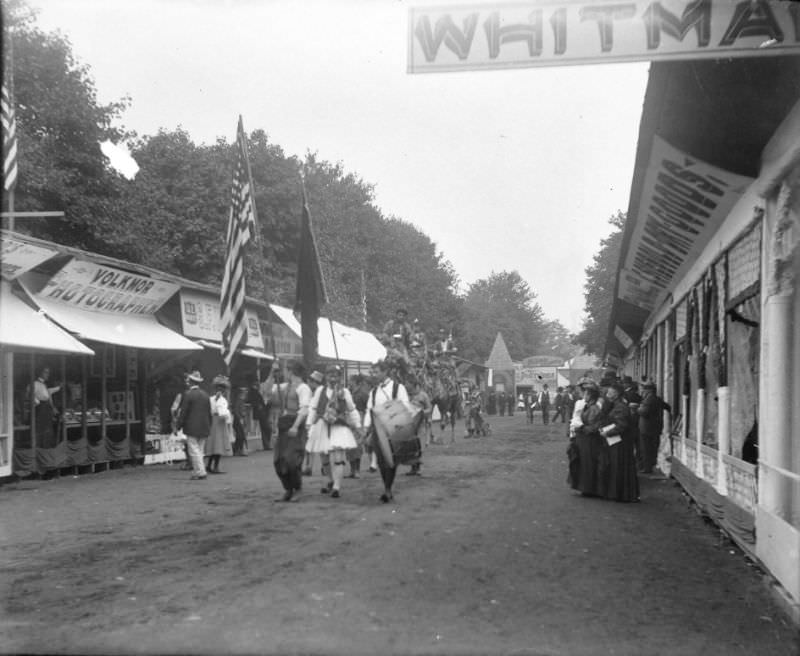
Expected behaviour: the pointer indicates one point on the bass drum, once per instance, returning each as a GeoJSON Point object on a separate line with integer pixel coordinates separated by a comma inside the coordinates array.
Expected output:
{"type": "Point", "coordinates": [396, 433]}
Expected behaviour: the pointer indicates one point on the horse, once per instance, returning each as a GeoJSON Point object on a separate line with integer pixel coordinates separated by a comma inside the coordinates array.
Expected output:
{"type": "Point", "coordinates": [447, 398]}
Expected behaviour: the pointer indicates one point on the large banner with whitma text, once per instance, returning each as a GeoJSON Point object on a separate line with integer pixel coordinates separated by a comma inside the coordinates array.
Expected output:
{"type": "Point", "coordinates": [568, 32]}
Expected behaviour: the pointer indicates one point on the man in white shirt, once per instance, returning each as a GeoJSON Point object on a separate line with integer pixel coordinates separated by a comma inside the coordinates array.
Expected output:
{"type": "Point", "coordinates": [294, 398]}
{"type": "Point", "coordinates": [386, 389]}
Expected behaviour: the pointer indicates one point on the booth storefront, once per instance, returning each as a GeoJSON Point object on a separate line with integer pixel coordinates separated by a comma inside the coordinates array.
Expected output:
{"type": "Point", "coordinates": [195, 311]}
{"type": "Point", "coordinates": [99, 386]}
{"type": "Point", "coordinates": [29, 340]}
{"type": "Point", "coordinates": [707, 303]}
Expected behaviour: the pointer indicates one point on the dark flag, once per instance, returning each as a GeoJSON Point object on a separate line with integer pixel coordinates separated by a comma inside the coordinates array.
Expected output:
{"type": "Point", "coordinates": [241, 229]}
{"type": "Point", "coordinates": [310, 295]}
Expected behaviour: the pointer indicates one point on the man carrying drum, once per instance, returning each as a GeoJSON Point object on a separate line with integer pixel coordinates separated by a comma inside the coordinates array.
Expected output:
{"type": "Point", "coordinates": [388, 394]}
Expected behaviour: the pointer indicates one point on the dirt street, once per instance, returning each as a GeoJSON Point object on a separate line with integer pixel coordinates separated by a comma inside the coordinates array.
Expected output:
{"type": "Point", "coordinates": [488, 552]}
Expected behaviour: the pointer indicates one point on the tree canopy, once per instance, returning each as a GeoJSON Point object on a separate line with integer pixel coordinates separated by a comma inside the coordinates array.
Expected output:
{"type": "Point", "coordinates": [503, 303]}
{"type": "Point", "coordinates": [599, 289]}
{"type": "Point", "coordinates": [173, 215]}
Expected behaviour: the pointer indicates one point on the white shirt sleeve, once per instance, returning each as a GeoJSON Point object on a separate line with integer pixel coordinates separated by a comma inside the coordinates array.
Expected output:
{"type": "Point", "coordinates": [303, 401]}
{"type": "Point", "coordinates": [312, 409]}
{"type": "Point", "coordinates": [353, 416]}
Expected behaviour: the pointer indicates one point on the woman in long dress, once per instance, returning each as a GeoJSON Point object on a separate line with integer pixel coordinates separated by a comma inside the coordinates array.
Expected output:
{"type": "Point", "coordinates": [619, 462]}
{"type": "Point", "coordinates": [219, 439]}
{"type": "Point", "coordinates": [586, 472]}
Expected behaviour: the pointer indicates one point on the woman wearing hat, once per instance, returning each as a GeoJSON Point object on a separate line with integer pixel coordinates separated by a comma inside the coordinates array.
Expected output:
{"type": "Point", "coordinates": [334, 415]}
{"type": "Point", "coordinates": [586, 444]}
{"type": "Point", "coordinates": [220, 437]}
{"type": "Point", "coordinates": [618, 460]}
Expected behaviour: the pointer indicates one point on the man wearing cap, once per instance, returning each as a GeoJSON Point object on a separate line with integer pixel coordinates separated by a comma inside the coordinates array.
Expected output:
{"type": "Point", "coordinates": [194, 419]}
{"type": "Point", "coordinates": [398, 330]}
{"type": "Point", "coordinates": [651, 423]}
{"type": "Point", "coordinates": [334, 414]}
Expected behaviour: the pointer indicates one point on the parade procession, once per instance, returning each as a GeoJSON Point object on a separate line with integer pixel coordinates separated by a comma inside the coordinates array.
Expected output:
{"type": "Point", "coordinates": [400, 327]}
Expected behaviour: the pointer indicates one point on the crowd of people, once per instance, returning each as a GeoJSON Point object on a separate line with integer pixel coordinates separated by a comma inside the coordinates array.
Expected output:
{"type": "Point", "coordinates": [313, 420]}
{"type": "Point", "coordinates": [614, 436]}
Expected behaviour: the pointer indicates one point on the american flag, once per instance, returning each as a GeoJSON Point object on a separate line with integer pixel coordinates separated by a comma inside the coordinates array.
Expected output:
{"type": "Point", "coordinates": [9, 121]}
{"type": "Point", "coordinates": [241, 229]}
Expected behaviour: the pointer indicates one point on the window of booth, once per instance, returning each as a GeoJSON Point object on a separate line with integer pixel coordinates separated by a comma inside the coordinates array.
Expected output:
{"type": "Point", "coordinates": [93, 417]}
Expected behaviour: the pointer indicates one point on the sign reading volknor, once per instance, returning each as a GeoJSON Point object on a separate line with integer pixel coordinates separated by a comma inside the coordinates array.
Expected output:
{"type": "Point", "coordinates": [518, 35]}
{"type": "Point", "coordinates": [90, 286]}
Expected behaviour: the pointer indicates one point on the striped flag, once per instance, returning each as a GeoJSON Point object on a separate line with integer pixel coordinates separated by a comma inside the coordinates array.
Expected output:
{"type": "Point", "coordinates": [9, 121]}
{"type": "Point", "coordinates": [242, 228]}
{"type": "Point", "coordinates": [310, 295]}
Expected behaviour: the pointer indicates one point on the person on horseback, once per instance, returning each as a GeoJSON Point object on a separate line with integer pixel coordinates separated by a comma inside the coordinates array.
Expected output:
{"type": "Point", "coordinates": [398, 331]}
{"type": "Point", "coordinates": [418, 349]}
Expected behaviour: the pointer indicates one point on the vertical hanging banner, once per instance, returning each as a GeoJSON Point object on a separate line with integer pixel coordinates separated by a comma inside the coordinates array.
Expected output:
{"type": "Point", "coordinates": [519, 35]}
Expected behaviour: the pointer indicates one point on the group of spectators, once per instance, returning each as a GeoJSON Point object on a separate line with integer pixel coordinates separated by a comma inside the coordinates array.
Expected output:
{"type": "Point", "coordinates": [614, 436]}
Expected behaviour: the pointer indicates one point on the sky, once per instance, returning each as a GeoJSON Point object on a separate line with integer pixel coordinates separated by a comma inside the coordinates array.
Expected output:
{"type": "Point", "coordinates": [504, 170]}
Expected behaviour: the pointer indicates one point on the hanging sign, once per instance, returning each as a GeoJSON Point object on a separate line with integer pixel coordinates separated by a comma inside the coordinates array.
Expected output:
{"type": "Point", "coordinates": [516, 35]}
{"type": "Point", "coordinates": [99, 288]}
{"type": "Point", "coordinates": [17, 257]}
{"type": "Point", "coordinates": [683, 203]}
{"type": "Point", "coordinates": [535, 376]}
{"type": "Point", "coordinates": [200, 317]}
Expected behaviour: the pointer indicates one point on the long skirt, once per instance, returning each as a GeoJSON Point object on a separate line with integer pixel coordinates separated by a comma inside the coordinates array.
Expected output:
{"type": "Point", "coordinates": [219, 439]}
{"type": "Point", "coordinates": [46, 437]}
{"type": "Point", "coordinates": [622, 484]}
{"type": "Point", "coordinates": [587, 475]}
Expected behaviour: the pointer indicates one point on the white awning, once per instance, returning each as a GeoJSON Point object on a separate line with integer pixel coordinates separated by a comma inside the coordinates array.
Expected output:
{"type": "Point", "coordinates": [141, 331]}
{"type": "Point", "coordinates": [249, 352]}
{"type": "Point", "coordinates": [23, 328]}
{"type": "Point", "coordinates": [352, 344]}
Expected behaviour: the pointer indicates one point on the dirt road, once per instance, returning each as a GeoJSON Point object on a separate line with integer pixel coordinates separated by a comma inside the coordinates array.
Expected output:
{"type": "Point", "coordinates": [487, 553]}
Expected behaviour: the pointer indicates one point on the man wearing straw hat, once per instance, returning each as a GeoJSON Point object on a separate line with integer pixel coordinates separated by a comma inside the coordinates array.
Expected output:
{"type": "Point", "coordinates": [195, 421]}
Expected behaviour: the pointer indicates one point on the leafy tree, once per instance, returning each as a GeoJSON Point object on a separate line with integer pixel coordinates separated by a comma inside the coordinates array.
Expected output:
{"type": "Point", "coordinates": [599, 289]}
{"type": "Point", "coordinates": [557, 341]}
{"type": "Point", "coordinates": [400, 264]}
{"type": "Point", "coordinates": [504, 303]}
{"type": "Point", "coordinates": [60, 126]}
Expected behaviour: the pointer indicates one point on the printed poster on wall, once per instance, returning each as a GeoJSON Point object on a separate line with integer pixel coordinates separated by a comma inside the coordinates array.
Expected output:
{"type": "Point", "coordinates": [98, 288]}
{"type": "Point", "coordinates": [683, 203]}
{"type": "Point", "coordinates": [200, 317]}
{"type": "Point", "coordinates": [17, 257]}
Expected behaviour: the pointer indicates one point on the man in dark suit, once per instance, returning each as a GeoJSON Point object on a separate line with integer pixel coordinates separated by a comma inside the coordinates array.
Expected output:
{"type": "Point", "coordinates": [195, 421]}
